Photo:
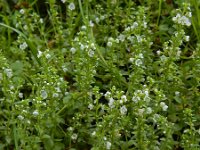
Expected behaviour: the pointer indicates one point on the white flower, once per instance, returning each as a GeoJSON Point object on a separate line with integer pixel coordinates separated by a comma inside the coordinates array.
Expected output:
{"type": "Point", "coordinates": [107, 94]}
{"type": "Point", "coordinates": [90, 106]}
{"type": "Point", "coordinates": [25, 27]}
{"type": "Point", "coordinates": [82, 47]}
{"type": "Point", "coordinates": [8, 72]}
{"type": "Point", "coordinates": [41, 21]}
{"type": "Point", "coordinates": [91, 53]}
{"type": "Point", "coordinates": [187, 38]}
{"type": "Point", "coordinates": [23, 46]}
{"type": "Point", "coordinates": [58, 89]}
{"type": "Point", "coordinates": [73, 50]}
{"type": "Point", "coordinates": [123, 110]}
{"type": "Point", "coordinates": [55, 95]}
{"type": "Point", "coordinates": [164, 106]}
{"type": "Point", "coordinates": [39, 54]}
{"type": "Point", "coordinates": [20, 117]}
{"type": "Point", "coordinates": [138, 62]}
{"type": "Point", "coordinates": [111, 103]}
{"type": "Point", "coordinates": [63, 1]}
{"type": "Point", "coordinates": [91, 24]}
{"type": "Point", "coordinates": [124, 99]}
{"type": "Point", "coordinates": [141, 111]}
{"type": "Point", "coordinates": [177, 93]}
{"type": "Point", "coordinates": [74, 136]}
{"type": "Point", "coordinates": [44, 94]}
{"type": "Point", "coordinates": [183, 20]}
{"type": "Point", "coordinates": [158, 52]}
{"type": "Point", "coordinates": [140, 55]}
{"type": "Point", "coordinates": [121, 37]}
{"type": "Point", "coordinates": [109, 44]}
{"type": "Point", "coordinates": [48, 56]}
{"type": "Point", "coordinates": [97, 20]}
{"type": "Point", "coordinates": [71, 6]}
{"type": "Point", "coordinates": [136, 99]}
{"type": "Point", "coordinates": [20, 95]}
{"type": "Point", "coordinates": [148, 110]}
{"type": "Point", "coordinates": [83, 27]}
{"type": "Point", "coordinates": [36, 113]}
{"type": "Point", "coordinates": [135, 25]}
{"type": "Point", "coordinates": [70, 129]}
{"type": "Point", "coordinates": [108, 145]}
{"type": "Point", "coordinates": [93, 133]}
{"type": "Point", "coordinates": [131, 60]}
{"type": "Point", "coordinates": [22, 11]}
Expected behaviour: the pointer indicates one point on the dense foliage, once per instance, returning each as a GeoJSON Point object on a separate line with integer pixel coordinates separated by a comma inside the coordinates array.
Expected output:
{"type": "Point", "coordinates": [113, 74]}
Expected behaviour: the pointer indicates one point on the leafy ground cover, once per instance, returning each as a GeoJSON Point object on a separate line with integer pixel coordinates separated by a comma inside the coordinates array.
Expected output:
{"type": "Point", "coordinates": [80, 75]}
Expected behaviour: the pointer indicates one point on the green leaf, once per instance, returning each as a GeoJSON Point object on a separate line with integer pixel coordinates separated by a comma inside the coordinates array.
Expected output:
{"type": "Point", "coordinates": [17, 67]}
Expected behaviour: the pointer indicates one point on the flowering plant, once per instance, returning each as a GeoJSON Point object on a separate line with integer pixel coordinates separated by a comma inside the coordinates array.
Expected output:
{"type": "Point", "coordinates": [99, 75]}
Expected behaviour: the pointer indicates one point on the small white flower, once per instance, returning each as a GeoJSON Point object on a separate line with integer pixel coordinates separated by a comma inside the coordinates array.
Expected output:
{"type": "Point", "coordinates": [141, 111]}
{"type": "Point", "coordinates": [111, 103]}
{"type": "Point", "coordinates": [97, 20]}
{"type": "Point", "coordinates": [39, 54]}
{"type": "Point", "coordinates": [148, 110]}
{"type": "Point", "coordinates": [36, 113]}
{"type": "Point", "coordinates": [23, 46]}
{"type": "Point", "coordinates": [90, 106]}
{"type": "Point", "coordinates": [73, 50]}
{"type": "Point", "coordinates": [20, 117]}
{"type": "Point", "coordinates": [131, 60]}
{"type": "Point", "coordinates": [124, 99]}
{"type": "Point", "coordinates": [74, 136]}
{"type": "Point", "coordinates": [109, 44]}
{"type": "Point", "coordinates": [121, 37]}
{"type": "Point", "coordinates": [91, 24]}
{"type": "Point", "coordinates": [70, 129]}
{"type": "Point", "coordinates": [41, 21]}
{"type": "Point", "coordinates": [140, 55]}
{"type": "Point", "coordinates": [58, 89]}
{"type": "Point", "coordinates": [138, 62]}
{"type": "Point", "coordinates": [64, 68]}
{"type": "Point", "coordinates": [108, 145]}
{"type": "Point", "coordinates": [93, 133]}
{"type": "Point", "coordinates": [135, 25]}
{"type": "Point", "coordinates": [107, 94]}
{"type": "Point", "coordinates": [71, 6]}
{"type": "Point", "coordinates": [158, 52]}
{"type": "Point", "coordinates": [55, 95]}
{"type": "Point", "coordinates": [164, 106]}
{"type": "Point", "coordinates": [139, 38]}
{"type": "Point", "coordinates": [20, 95]}
{"type": "Point", "coordinates": [48, 56]}
{"type": "Point", "coordinates": [91, 53]}
{"type": "Point", "coordinates": [82, 47]}
{"type": "Point", "coordinates": [44, 94]}
{"type": "Point", "coordinates": [136, 99]}
{"type": "Point", "coordinates": [83, 27]}
{"type": "Point", "coordinates": [22, 11]}
{"type": "Point", "coordinates": [102, 17]}
{"type": "Point", "coordinates": [123, 110]}
{"type": "Point", "coordinates": [177, 93]}
{"type": "Point", "coordinates": [25, 27]}
{"type": "Point", "coordinates": [8, 72]}
{"type": "Point", "coordinates": [187, 38]}
{"type": "Point", "coordinates": [63, 1]}
{"type": "Point", "coordinates": [145, 24]}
